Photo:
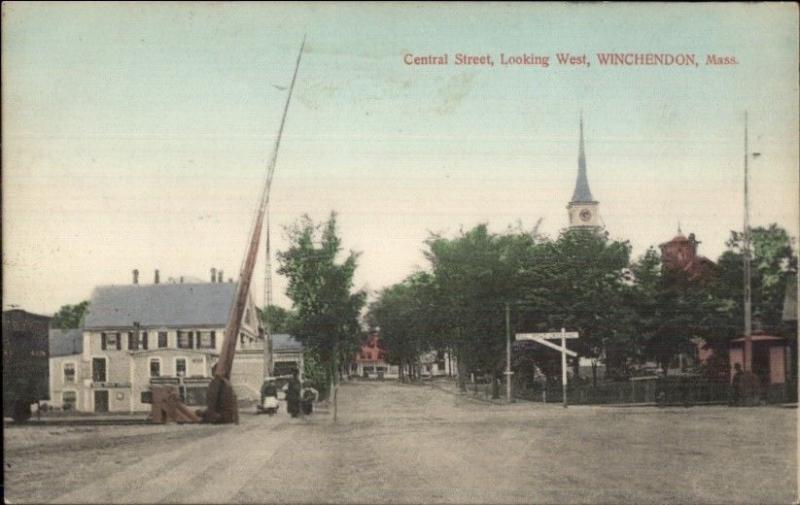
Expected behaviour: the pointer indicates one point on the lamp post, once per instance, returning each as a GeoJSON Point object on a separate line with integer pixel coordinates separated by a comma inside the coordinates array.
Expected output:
{"type": "Point", "coordinates": [747, 358]}
{"type": "Point", "coordinates": [748, 329]}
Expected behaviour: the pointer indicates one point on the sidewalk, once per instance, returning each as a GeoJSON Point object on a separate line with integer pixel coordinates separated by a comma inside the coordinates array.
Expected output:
{"type": "Point", "coordinates": [84, 420]}
{"type": "Point", "coordinates": [451, 386]}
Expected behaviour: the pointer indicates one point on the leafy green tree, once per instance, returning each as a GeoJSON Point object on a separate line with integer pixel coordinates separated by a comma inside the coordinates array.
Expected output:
{"type": "Point", "coordinates": [316, 373]}
{"type": "Point", "coordinates": [475, 274]}
{"type": "Point", "coordinates": [580, 282]}
{"type": "Point", "coordinates": [70, 316]}
{"type": "Point", "coordinates": [279, 319]}
{"type": "Point", "coordinates": [672, 309]}
{"type": "Point", "coordinates": [773, 262]}
{"type": "Point", "coordinates": [321, 289]}
{"type": "Point", "coordinates": [405, 315]}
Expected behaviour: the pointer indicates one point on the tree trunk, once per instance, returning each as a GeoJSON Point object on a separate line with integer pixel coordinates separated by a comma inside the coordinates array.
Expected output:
{"type": "Point", "coordinates": [334, 390]}
{"type": "Point", "coordinates": [462, 378]}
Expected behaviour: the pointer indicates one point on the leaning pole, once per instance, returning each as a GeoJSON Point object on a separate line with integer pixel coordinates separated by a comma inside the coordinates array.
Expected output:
{"type": "Point", "coordinates": [222, 407]}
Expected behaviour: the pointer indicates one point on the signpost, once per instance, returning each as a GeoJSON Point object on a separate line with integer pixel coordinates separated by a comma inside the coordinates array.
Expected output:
{"type": "Point", "coordinates": [541, 338]}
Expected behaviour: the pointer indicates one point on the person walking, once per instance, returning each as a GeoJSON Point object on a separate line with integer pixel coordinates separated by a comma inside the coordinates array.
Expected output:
{"type": "Point", "coordinates": [269, 397]}
{"type": "Point", "coordinates": [293, 394]}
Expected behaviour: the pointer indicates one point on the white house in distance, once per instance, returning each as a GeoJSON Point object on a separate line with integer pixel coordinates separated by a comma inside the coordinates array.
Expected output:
{"type": "Point", "coordinates": [136, 333]}
{"type": "Point", "coordinates": [66, 348]}
{"type": "Point", "coordinates": [287, 354]}
{"type": "Point", "coordinates": [438, 364]}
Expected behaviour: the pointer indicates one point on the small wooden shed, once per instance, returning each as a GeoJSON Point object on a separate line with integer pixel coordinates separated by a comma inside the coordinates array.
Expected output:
{"type": "Point", "coordinates": [770, 363]}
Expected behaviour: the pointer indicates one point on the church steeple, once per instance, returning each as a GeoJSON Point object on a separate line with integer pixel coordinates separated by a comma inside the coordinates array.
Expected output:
{"type": "Point", "coordinates": [582, 193]}
{"type": "Point", "coordinates": [583, 207]}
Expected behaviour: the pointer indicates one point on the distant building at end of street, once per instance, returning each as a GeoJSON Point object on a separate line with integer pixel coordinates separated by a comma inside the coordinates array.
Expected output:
{"type": "Point", "coordinates": [370, 361]}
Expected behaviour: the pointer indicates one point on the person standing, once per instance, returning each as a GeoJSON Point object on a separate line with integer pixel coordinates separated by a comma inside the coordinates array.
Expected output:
{"type": "Point", "coordinates": [737, 385]}
{"type": "Point", "coordinates": [293, 394]}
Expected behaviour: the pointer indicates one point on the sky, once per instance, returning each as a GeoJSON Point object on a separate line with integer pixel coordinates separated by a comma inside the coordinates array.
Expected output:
{"type": "Point", "coordinates": [136, 135]}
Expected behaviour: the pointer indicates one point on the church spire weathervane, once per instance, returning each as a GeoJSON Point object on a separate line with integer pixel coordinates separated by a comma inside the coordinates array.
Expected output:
{"type": "Point", "coordinates": [582, 207]}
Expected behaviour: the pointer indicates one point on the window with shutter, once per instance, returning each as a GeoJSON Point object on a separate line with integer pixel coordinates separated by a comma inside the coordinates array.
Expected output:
{"type": "Point", "coordinates": [180, 367]}
{"type": "Point", "coordinates": [68, 400]}
{"type": "Point", "coordinates": [185, 339]}
{"type": "Point", "coordinates": [69, 373]}
{"type": "Point", "coordinates": [144, 340]}
{"type": "Point", "coordinates": [162, 339]}
{"type": "Point", "coordinates": [155, 367]}
{"type": "Point", "coordinates": [111, 341]}
{"type": "Point", "coordinates": [98, 369]}
{"type": "Point", "coordinates": [205, 339]}
{"type": "Point", "coordinates": [132, 343]}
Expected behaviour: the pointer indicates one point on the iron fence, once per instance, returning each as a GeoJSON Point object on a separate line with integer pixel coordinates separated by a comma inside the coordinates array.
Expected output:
{"type": "Point", "coordinates": [677, 390]}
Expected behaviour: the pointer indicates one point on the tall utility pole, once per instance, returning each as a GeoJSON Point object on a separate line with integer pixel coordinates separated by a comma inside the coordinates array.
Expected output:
{"type": "Point", "coordinates": [267, 302]}
{"type": "Point", "coordinates": [508, 353]}
{"type": "Point", "coordinates": [748, 329]}
{"type": "Point", "coordinates": [563, 367]}
{"type": "Point", "coordinates": [225, 361]}
{"type": "Point", "coordinates": [268, 263]}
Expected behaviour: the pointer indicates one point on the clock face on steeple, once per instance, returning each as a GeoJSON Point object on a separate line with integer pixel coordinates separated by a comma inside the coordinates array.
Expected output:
{"type": "Point", "coordinates": [583, 208]}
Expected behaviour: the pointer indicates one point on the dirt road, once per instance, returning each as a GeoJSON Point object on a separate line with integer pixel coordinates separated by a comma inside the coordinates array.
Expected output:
{"type": "Point", "coordinates": [418, 444]}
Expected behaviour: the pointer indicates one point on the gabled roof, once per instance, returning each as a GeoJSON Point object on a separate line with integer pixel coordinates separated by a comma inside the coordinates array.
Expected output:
{"type": "Point", "coordinates": [65, 342]}
{"type": "Point", "coordinates": [24, 313]}
{"type": "Point", "coordinates": [759, 338]}
{"type": "Point", "coordinates": [285, 342]}
{"type": "Point", "coordinates": [160, 305]}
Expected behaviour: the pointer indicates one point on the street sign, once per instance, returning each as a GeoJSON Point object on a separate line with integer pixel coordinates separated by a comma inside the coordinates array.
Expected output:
{"type": "Point", "coordinates": [553, 346]}
{"type": "Point", "coordinates": [551, 335]}
{"type": "Point", "coordinates": [541, 338]}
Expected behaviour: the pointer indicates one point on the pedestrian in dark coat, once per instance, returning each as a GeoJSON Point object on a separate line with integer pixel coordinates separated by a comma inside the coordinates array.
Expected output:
{"type": "Point", "coordinates": [293, 394]}
{"type": "Point", "coordinates": [737, 385]}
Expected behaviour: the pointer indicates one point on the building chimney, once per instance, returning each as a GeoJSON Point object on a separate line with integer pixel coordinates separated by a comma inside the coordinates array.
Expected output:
{"type": "Point", "coordinates": [136, 277]}
{"type": "Point", "coordinates": [213, 275]}
{"type": "Point", "coordinates": [693, 244]}
{"type": "Point", "coordinates": [219, 276]}
{"type": "Point", "coordinates": [155, 281]}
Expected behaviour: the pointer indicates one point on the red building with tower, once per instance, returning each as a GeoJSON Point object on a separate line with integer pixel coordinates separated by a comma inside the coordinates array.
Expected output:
{"type": "Point", "coordinates": [771, 359]}
{"type": "Point", "coordinates": [370, 361]}
{"type": "Point", "coordinates": [680, 255]}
